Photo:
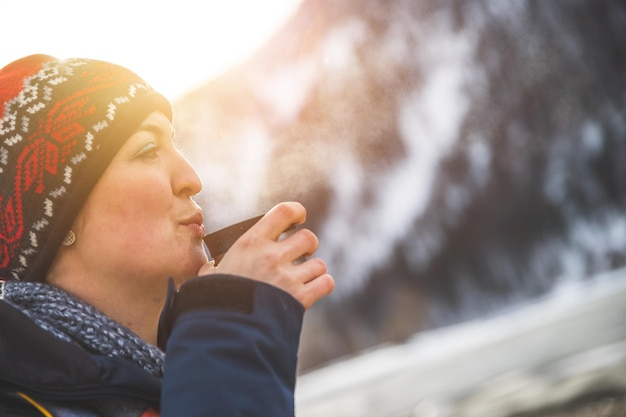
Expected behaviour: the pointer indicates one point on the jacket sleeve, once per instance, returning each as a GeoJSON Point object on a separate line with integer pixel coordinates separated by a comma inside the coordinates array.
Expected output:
{"type": "Point", "coordinates": [231, 349]}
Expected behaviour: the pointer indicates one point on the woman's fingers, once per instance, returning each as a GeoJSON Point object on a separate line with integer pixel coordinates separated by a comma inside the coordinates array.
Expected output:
{"type": "Point", "coordinates": [316, 289]}
{"type": "Point", "coordinates": [259, 255]}
{"type": "Point", "coordinates": [300, 244]}
{"type": "Point", "coordinates": [307, 282]}
{"type": "Point", "coordinates": [317, 282]}
{"type": "Point", "coordinates": [280, 218]}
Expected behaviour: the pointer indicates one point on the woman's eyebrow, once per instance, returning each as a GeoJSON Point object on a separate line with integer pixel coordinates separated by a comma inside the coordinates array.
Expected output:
{"type": "Point", "coordinates": [156, 130]}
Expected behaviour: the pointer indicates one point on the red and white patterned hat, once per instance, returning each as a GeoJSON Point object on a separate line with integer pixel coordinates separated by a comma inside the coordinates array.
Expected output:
{"type": "Point", "coordinates": [62, 123]}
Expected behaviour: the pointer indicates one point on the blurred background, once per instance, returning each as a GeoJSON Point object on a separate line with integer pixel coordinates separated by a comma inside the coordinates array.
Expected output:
{"type": "Point", "coordinates": [463, 164]}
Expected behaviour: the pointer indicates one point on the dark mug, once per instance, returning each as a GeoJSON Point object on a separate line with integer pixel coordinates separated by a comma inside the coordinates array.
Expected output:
{"type": "Point", "coordinates": [220, 241]}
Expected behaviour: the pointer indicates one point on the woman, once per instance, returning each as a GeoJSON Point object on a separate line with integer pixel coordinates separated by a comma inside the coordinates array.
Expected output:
{"type": "Point", "coordinates": [102, 267]}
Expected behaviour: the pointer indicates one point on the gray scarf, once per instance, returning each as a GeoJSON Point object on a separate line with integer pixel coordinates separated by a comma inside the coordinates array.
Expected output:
{"type": "Point", "coordinates": [73, 320]}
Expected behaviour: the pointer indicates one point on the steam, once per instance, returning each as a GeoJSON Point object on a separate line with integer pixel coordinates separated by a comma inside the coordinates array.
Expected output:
{"type": "Point", "coordinates": [233, 174]}
{"type": "Point", "coordinates": [356, 241]}
{"type": "Point", "coordinates": [236, 164]}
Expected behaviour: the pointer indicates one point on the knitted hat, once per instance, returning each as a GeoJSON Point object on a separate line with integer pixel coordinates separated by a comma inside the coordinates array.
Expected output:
{"type": "Point", "coordinates": [62, 123]}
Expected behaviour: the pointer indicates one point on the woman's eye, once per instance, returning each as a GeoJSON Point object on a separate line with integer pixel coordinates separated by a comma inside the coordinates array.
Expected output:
{"type": "Point", "coordinates": [148, 151]}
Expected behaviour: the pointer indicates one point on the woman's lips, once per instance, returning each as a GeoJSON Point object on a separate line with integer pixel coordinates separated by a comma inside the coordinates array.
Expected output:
{"type": "Point", "coordinates": [198, 229]}
{"type": "Point", "coordinates": [196, 224]}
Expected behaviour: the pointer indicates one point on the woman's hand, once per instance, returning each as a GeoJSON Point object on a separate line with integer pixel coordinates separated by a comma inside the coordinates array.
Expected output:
{"type": "Point", "coordinates": [258, 255]}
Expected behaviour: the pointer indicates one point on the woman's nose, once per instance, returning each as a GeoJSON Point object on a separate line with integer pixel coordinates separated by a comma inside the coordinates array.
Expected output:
{"type": "Point", "coordinates": [185, 179]}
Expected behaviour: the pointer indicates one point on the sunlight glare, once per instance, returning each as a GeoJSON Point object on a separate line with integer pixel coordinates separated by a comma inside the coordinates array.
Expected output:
{"type": "Point", "coordinates": [174, 45]}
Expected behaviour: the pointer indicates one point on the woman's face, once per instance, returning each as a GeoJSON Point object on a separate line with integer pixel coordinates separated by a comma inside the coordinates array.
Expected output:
{"type": "Point", "coordinates": [140, 222]}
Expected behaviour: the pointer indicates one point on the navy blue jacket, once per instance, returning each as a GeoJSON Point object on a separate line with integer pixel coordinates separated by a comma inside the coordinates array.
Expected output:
{"type": "Point", "coordinates": [231, 349]}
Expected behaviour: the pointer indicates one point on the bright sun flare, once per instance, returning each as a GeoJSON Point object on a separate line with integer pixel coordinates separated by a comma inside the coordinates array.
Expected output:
{"type": "Point", "coordinates": [174, 45]}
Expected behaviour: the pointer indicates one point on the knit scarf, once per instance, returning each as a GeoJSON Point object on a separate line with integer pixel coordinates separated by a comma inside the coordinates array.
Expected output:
{"type": "Point", "coordinates": [73, 320]}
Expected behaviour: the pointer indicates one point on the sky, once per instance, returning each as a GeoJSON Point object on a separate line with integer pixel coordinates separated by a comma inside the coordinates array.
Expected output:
{"type": "Point", "coordinates": [174, 45]}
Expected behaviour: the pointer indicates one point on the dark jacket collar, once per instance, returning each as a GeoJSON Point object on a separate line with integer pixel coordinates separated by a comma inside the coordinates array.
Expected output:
{"type": "Point", "coordinates": [35, 362]}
